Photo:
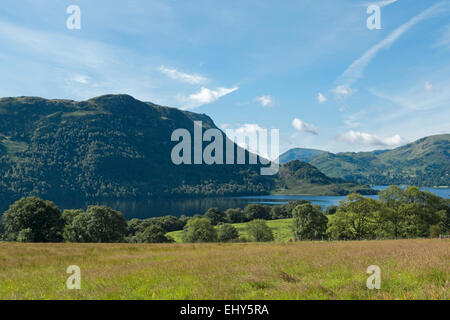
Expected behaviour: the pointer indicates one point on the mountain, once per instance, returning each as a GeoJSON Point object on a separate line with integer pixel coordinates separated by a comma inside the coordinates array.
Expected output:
{"type": "Point", "coordinates": [425, 162]}
{"type": "Point", "coordinates": [302, 154]}
{"type": "Point", "coordinates": [296, 177]}
{"type": "Point", "coordinates": [111, 147]}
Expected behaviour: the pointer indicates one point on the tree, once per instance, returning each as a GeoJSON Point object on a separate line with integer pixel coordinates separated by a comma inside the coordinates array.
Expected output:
{"type": "Point", "coordinates": [235, 215]}
{"type": "Point", "coordinates": [25, 235]}
{"type": "Point", "coordinates": [355, 219]}
{"type": "Point", "coordinates": [42, 218]}
{"type": "Point", "coordinates": [153, 234]}
{"type": "Point", "coordinates": [98, 224]}
{"type": "Point", "coordinates": [215, 216]}
{"type": "Point", "coordinates": [226, 232]}
{"type": "Point", "coordinates": [309, 222]}
{"type": "Point", "coordinates": [259, 231]}
{"type": "Point", "coordinates": [199, 230]}
{"type": "Point", "coordinates": [280, 212]}
{"type": "Point", "coordinates": [257, 212]}
{"type": "Point", "coordinates": [331, 210]}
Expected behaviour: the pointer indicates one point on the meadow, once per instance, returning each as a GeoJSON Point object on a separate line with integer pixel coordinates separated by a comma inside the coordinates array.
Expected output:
{"type": "Point", "coordinates": [410, 269]}
{"type": "Point", "coordinates": [281, 230]}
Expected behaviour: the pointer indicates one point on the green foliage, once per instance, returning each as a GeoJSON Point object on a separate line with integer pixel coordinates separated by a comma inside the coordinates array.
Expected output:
{"type": "Point", "coordinates": [25, 235]}
{"type": "Point", "coordinates": [97, 224]}
{"type": "Point", "coordinates": [153, 234]}
{"type": "Point", "coordinates": [258, 231]}
{"type": "Point", "coordinates": [399, 213]}
{"type": "Point", "coordinates": [309, 222]}
{"type": "Point", "coordinates": [331, 210]}
{"type": "Point", "coordinates": [355, 219]}
{"type": "Point", "coordinates": [257, 212]}
{"type": "Point", "coordinates": [199, 230]}
{"type": "Point", "coordinates": [42, 218]}
{"type": "Point", "coordinates": [216, 216]}
{"type": "Point", "coordinates": [235, 215]}
{"type": "Point", "coordinates": [226, 232]}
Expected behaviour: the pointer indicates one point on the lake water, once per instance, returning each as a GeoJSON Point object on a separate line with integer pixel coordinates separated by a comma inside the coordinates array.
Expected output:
{"type": "Point", "coordinates": [177, 207]}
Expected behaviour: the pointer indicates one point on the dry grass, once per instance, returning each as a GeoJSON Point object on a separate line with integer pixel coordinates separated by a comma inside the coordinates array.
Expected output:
{"type": "Point", "coordinates": [411, 269]}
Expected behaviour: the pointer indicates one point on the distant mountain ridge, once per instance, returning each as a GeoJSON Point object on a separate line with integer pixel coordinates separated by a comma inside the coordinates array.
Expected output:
{"type": "Point", "coordinates": [302, 154]}
{"type": "Point", "coordinates": [425, 162]}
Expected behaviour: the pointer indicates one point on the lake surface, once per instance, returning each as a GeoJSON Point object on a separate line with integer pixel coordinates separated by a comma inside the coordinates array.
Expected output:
{"type": "Point", "coordinates": [160, 207]}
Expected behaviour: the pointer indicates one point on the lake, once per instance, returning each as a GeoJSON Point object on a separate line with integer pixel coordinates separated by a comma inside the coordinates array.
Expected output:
{"type": "Point", "coordinates": [160, 207]}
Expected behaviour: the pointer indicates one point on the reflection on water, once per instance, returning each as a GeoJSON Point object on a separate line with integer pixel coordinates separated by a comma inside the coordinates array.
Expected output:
{"type": "Point", "coordinates": [189, 207]}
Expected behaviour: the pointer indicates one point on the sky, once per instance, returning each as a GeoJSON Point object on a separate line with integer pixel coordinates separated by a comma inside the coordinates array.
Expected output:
{"type": "Point", "coordinates": [311, 68]}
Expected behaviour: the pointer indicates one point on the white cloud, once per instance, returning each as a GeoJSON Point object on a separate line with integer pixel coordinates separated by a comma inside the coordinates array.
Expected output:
{"type": "Point", "coordinates": [302, 126]}
{"type": "Point", "coordinates": [206, 96]}
{"type": "Point", "coordinates": [342, 92]}
{"type": "Point", "coordinates": [371, 140]}
{"type": "Point", "coordinates": [321, 98]}
{"type": "Point", "coordinates": [356, 69]}
{"type": "Point", "coordinates": [82, 79]}
{"type": "Point", "coordinates": [182, 76]}
{"type": "Point", "coordinates": [428, 86]}
{"type": "Point", "coordinates": [265, 101]}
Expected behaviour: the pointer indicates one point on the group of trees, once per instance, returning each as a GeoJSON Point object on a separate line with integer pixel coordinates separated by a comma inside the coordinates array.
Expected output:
{"type": "Point", "coordinates": [35, 220]}
{"type": "Point", "coordinates": [399, 213]}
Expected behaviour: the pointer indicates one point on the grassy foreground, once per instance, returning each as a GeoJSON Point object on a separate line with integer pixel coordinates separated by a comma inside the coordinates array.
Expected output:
{"type": "Point", "coordinates": [411, 269]}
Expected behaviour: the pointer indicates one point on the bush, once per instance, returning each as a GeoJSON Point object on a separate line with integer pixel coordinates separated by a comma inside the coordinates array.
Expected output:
{"type": "Point", "coordinates": [43, 218]}
{"type": "Point", "coordinates": [153, 234]}
{"type": "Point", "coordinates": [199, 230]}
{"type": "Point", "coordinates": [309, 222]}
{"type": "Point", "coordinates": [226, 232]}
{"type": "Point", "coordinates": [259, 231]}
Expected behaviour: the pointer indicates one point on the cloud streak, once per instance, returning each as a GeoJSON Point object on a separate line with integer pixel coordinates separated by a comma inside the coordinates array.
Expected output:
{"type": "Point", "coordinates": [207, 96]}
{"type": "Point", "coordinates": [356, 70]}
{"type": "Point", "coordinates": [182, 76]}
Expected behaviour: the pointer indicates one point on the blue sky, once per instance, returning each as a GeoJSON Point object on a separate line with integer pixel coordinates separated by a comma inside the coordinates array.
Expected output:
{"type": "Point", "coordinates": [310, 68]}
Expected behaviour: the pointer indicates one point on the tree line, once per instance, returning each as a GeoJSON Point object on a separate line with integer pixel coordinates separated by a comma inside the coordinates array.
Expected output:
{"type": "Point", "coordinates": [399, 213]}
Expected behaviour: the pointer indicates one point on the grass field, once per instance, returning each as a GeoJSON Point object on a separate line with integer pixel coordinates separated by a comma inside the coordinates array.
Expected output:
{"type": "Point", "coordinates": [281, 230]}
{"type": "Point", "coordinates": [410, 269]}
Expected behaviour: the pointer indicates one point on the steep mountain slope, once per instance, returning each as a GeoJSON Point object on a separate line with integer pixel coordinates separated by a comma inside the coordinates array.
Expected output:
{"type": "Point", "coordinates": [302, 154]}
{"type": "Point", "coordinates": [425, 162]}
{"type": "Point", "coordinates": [106, 147]}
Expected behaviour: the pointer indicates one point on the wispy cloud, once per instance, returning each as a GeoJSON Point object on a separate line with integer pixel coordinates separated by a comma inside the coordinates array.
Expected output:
{"type": "Point", "coordinates": [182, 76]}
{"type": "Point", "coordinates": [342, 92]}
{"type": "Point", "coordinates": [302, 126]}
{"type": "Point", "coordinates": [265, 101]}
{"type": "Point", "coordinates": [206, 96]}
{"type": "Point", "coordinates": [356, 70]}
{"type": "Point", "coordinates": [321, 98]}
{"type": "Point", "coordinates": [371, 140]}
